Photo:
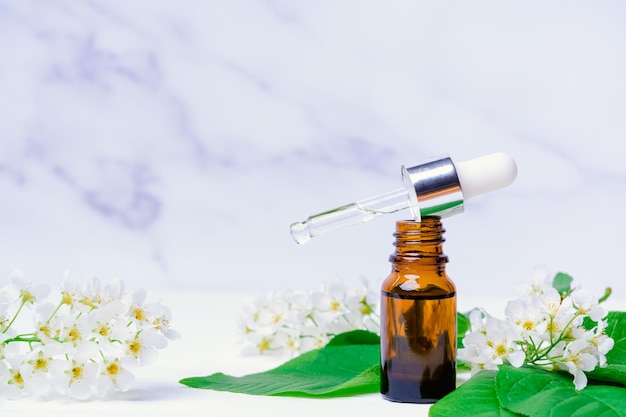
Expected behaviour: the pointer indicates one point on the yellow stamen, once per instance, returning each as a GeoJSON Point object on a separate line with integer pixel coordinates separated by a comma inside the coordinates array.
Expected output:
{"type": "Point", "coordinates": [134, 347]}
{"type": "Point", "coordinates": [45, 330]}
{"type": "Point", "coordinates": [139, 314]}
{"type": "Point", "coordinates": [27, 297]}
{"type": "Point", "coordinates": [40, 364]}
{"type": "Point", "coordinates": [66, 298]}
{"type": "Point", "coordinates": [104, 331]}
{"type": "Point", "coordinates": [77, 372]}
{"type": "Point", "coordinates": [500, 350]}
{"type": "Point", "coordinates": [88, 302]}
{"type": "Point", "coordinates": [18, 379]}
{"type": "Point", "coordinates": [74, 334]}
{"type": "Point", "coordinates": [263, 345]}
{"type": "Point", "coordinates": [112, 369]}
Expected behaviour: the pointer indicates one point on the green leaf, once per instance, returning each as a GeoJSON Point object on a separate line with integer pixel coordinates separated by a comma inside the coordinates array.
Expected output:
{"type": "Point", "coordinates": [349, 366]}
{"type": "Point", "coordinates": [538, 393]}
{"type": "Point", "coordinates": [615, 371]}
{"type": "Point", "coordinates": [355, 337]}
{"type": "Point", "coordinates": [476, 397]}
{"type": "Point", "coordinates": [562, 283]}
{"type": "Point", "coordinates": [462, 327]}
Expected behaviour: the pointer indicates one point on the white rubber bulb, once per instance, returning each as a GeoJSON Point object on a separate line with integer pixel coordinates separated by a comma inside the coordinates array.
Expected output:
{"type": "Point", "coordinates": [486, 173]}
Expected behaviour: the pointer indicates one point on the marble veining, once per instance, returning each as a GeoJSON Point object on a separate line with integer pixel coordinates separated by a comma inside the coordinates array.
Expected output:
{"type": "Point", "coordinates": [172, 143]}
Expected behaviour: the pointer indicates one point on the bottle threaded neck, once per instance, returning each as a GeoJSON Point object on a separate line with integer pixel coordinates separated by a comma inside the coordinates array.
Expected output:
{"type": "Point", "coordinates": [419, 241]}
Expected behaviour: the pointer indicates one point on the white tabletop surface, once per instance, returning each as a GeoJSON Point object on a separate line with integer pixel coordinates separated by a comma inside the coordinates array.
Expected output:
{"type": "Point", "coordinates": [208, 344]}
{"type": "Point", "coordinates": [207, 322]}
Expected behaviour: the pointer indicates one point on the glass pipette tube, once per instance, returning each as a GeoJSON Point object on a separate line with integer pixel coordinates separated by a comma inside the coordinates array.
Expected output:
{"type": "Point", "coordinates": [435, 187]}
{"type": "Point", "coordinates": [351, 214]}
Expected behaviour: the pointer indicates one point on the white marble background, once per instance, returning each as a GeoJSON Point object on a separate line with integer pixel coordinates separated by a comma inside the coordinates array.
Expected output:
{"type": "Point", "coordinates": [171, 143]}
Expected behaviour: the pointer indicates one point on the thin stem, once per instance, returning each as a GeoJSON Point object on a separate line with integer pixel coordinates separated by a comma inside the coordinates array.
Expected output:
{"type": "Point", "coordinates": [23, 338]}
{"type": "Point", "coordinates": [17, 313]}
{"type": "Point", "coordinates": [25, 335]}
{"type": "Point", "coordinates": [56, 310]}
{"type": "Point", "coordinates": [543, 354]}
{"type": "Point", "coordinates": [569, 323]}
{"type": "Point", "coordinates": [535, 348]}
{"type": "Point", "coordinates": [607, 294]}
{"type": "Point", "coordinates": [550, 330]}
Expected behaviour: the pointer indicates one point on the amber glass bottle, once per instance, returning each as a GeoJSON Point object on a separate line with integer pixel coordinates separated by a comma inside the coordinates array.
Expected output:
{"type": "Point", "coordinates": [418, 317]}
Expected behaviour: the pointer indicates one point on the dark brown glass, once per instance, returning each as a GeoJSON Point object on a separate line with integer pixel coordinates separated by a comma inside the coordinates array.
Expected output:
{"type": "Point", "coordinates": [418, 317]}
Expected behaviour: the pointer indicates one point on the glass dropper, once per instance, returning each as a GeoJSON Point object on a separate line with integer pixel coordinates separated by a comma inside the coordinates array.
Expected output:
{"type": "Point", "coordinates": [435, 187]}
{"type": "Point", "coordinates": [348, 215]}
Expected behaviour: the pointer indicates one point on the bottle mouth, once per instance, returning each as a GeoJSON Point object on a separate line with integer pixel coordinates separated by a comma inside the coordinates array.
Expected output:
{"type": "Point", "coordinates": [426, 224]}
{"type": "Point", "coordinates": [421, 240]}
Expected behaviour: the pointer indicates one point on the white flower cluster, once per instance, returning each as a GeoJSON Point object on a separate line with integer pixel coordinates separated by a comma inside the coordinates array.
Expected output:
{"type": "Point", "coordinates": [297, 322]}
{"type": "Point", "coordinates": [84, 344]}
{"type": "Point", "coordinates": [542, 328]}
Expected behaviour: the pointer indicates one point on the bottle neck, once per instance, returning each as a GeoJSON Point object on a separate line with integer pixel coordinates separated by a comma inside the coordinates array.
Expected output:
{"type": "Point", "coordinates": [419, 242]}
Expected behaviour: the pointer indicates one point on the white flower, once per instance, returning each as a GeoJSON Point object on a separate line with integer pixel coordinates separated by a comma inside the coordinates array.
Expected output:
{"type": "Point", "coordinates": [577, 361]}
{"type": "Point", "coordinates": [586, 304]}
{"type": "Point", "coordinates": [476, 352]}
{"type": "Point", "coordinates": [76, 337]}
{"type": "Point", "coordinates": [28, 293]}
{"type": "Point", "coordinates": [90, 294]}
{"type": "Point", "coordinates": [14, 388]}
{"type": "Point", "coordinates": [161, 321]}
{"type": "Point", "coordinates": [362, 309]}
{"type": "Point", "coordinates": [529, 320]}
{"type": "Point", "coordinates": [301, 307]}
{"type": "Point", "coordinates": [9, 294]}
{"type": "Point", "coordinates": [82, 343]}
{"type": "Point", "coordinates": [541, 281]}
{"type": "Point", "coordinates": [494, 346]}
{"type": "Point", "coordinates": [115, 376]}
{"type": "Point", "coordinates": [138, 312]}
{"type": "Point", "coordinates": [256, 314]}
{"type": "Point", "coordinates": [477, 321]}
{"type": "Point", "coordinates": [5, 375]}
{"type": "Point", "coordinates": [276, 313]}
{"type": "Point", "coordinates": [542, 328]}
{"type": "Point", "coordinates": [264, 343]}
{"type": "Point", "coordinates": [289, 340]}
{"type": "Point", "coordinates": [47, 325]}
{"type": "Point", "coordinates": [114, 291]}
{"type": "Point", "coordinates": [9, 352]}
{"type": "Point", "coordinates": [110, 335]}
{"type": "Point", "coordinates": [295, 322]}
{"type": "Point", "coordinates": [144, 345]}
{"type": "Point", "coordinates": [36, 370]}
{"type": "Point", "coordinates": [330, 300]}
{"type": "Point", "coordinates": [79, 379]}
{"type": "Point", "coordinates": [313, 338]}
{"type": "Point", "coordinates": [599, 344]}
{"type": "Point", "coordinates": [550, 301]}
